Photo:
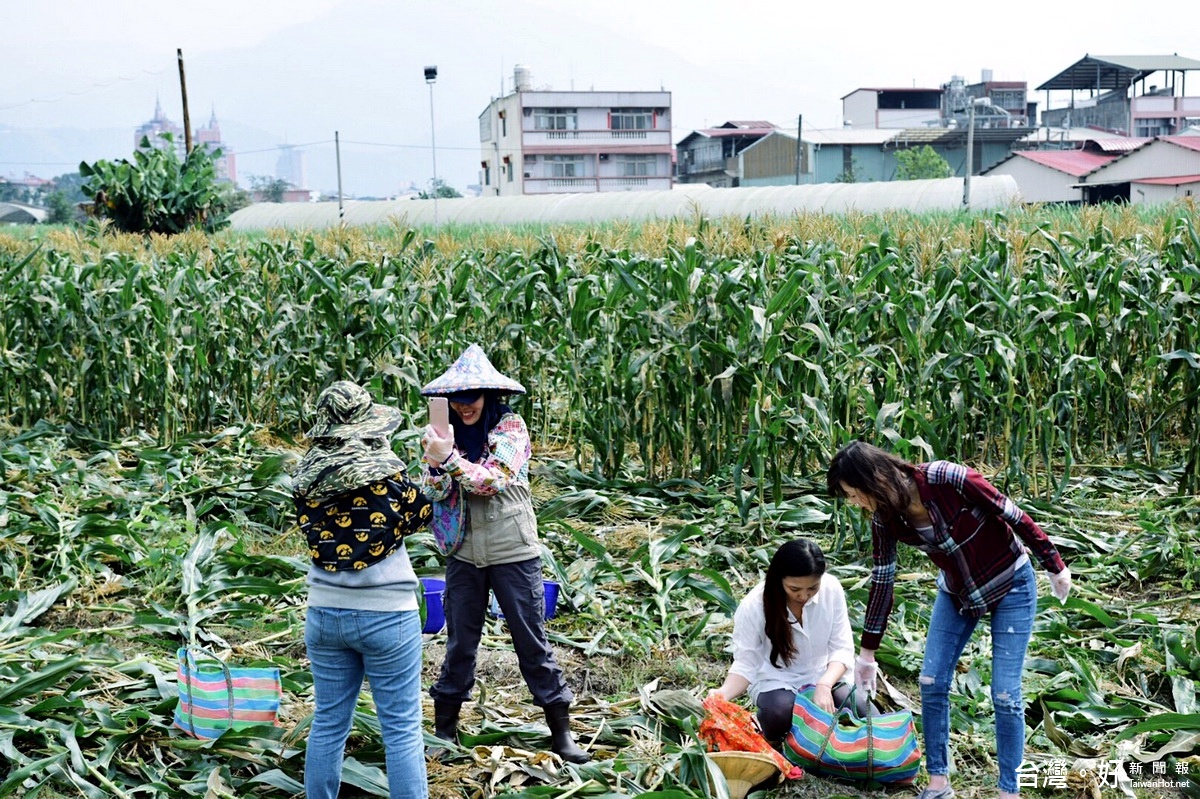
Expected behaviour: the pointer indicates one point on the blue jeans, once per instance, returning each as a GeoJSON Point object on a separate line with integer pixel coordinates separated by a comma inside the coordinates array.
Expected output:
{"type": "Point", "coordinates": [949, 631]}
{"type": "Point", "coordinates": [385, 647]}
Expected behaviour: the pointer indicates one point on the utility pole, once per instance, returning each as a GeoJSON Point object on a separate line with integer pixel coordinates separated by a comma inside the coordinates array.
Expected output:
{"type": "Point", "coordinates": [337, 148]}
{"type": "Point", "coordinates": [970, 156]}
{"type": "Point", "coordinates": [187, 119]}
{"type": "Point", "coordinates": [799, 145]}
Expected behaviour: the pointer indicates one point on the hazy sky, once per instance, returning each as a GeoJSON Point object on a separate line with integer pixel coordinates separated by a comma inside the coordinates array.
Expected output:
{"type": "Point", "coordinates": [296, 71]}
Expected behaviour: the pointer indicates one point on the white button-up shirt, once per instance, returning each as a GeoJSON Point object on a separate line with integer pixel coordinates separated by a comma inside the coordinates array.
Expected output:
{"type": "Point", "coordinates": [823, 638]}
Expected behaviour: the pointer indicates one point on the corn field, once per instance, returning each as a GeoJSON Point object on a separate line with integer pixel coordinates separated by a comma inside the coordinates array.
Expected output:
{"type": "Point", "coordinates": [1020, 344]}
{"type": "Point", "coordinates": [689, 380]}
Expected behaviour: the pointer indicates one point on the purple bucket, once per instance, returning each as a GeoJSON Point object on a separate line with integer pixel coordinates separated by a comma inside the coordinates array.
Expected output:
{"type": "Point", "coordinates": [435, 614]}
{"type": "Point", "coordinates": [551, 590]}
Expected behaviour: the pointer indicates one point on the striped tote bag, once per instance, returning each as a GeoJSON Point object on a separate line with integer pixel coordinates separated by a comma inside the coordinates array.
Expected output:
{"type": "Point", "coordinates": [215, 697]}
{"type": "Point", "coordinates": [881, 748]}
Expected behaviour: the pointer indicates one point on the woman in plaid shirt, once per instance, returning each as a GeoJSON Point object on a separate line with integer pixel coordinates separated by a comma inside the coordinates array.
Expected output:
{"type": "Point", "coordinates": [485, 458]}
{"type": "Point", "coordinates": [980, 541]}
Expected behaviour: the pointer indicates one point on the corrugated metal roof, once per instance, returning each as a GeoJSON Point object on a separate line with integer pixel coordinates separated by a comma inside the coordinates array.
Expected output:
{"type": "Point", "coordinates": [849, 135]}
{"type": "Point", "coordinates": [749, 123]}
{"type": "Point", "coordinates": [722, 132]}
{"type": "Point", "coordinates": [1055, 135]}
{"type": "Point", "coordinates": [910, 137]}
{"type": "Point", "coordinates": [718, 133]}
{"type": "Point", "coordinates": [1115, 71]}
{"type": "Point", "coordinates": [1120, 144]}
{"type": "Point", "coordinates": [1172, 181]}
{"type": "Point", "coordinates": [1190, 142]}
{"type": "Point", "coordinates": [1075, 163]}
{"type": "Point", "coordinates": [835, 136]}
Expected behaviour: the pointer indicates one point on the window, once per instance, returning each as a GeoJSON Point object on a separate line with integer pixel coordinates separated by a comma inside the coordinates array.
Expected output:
{"type": "Point", "coordinates": [632, 119]}
{"type": "Point", "coordinates": [639, 166]}
{"type": "Point", "coordinates": [1008, 98]}
{"type": "Point", "coordinates": [556, 119]}
{"type": "Point", "coordinates": [565, 166]}
{"type": "Point", "coordinates": [487, 173]}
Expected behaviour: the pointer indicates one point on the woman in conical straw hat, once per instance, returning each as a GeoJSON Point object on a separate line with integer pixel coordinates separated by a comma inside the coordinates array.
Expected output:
{"type": "Point", "coordinates": [484, 458]}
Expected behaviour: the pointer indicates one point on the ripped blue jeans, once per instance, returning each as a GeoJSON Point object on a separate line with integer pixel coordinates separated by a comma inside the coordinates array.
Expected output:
{"type": "Point", "coordinates": [949, 632]}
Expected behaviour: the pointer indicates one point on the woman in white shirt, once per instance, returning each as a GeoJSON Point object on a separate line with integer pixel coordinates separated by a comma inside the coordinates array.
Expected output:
{"type": "Point", "coordinates": [791, 630]}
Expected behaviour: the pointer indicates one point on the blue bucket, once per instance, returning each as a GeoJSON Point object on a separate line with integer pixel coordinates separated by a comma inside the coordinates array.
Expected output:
{"type": "Point", "coordinates": [435, 614]}
{"type": "Point", "coordinates": [551, 590]}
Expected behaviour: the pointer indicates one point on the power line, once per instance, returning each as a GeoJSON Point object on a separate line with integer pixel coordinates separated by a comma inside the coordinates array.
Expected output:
{"type": "Point", "coordinates": [280, 147]}
{"type": "Point", "coordinates": [409, 146]}
{"type": "Point", "coordinates": [40, 163]}
{"type": "Point", "coordinates": [85, 90]}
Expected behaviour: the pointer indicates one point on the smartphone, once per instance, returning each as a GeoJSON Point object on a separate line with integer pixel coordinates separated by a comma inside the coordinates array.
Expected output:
{"type": "Point", "coordinates": [439, 415]}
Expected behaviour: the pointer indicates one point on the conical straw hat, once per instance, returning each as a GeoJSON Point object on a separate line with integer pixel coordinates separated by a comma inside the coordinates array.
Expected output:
{"type": "Point", "coordinates": [472, 371]}
{"type": "Point", "coordinates": [744, 770]}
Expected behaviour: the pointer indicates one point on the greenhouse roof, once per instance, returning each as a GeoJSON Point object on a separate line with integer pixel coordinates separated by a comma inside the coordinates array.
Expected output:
{"type": "Point", "coordinates": [683, 201]}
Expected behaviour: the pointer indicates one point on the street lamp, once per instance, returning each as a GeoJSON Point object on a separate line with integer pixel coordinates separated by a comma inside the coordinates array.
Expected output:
{"type": "Point", "coordinates": [431, 78]}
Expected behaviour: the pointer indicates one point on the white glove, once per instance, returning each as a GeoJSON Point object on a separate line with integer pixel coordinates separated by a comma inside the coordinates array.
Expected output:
{"type": "Point", "coordinates": [865, 674]}
{"type": "Point", "coordinates": [1060, 585]}
{"type": "Point", "coordinates": [437, 448]}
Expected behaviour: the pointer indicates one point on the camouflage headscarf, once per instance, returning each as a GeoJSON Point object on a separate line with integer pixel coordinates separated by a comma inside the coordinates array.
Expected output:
{"type": "Point", "coordinates": [335, 466]}
{"type": "Point", "coordinates": [350, 446]}
{"type": "Point", "coordinates": [345, 410]}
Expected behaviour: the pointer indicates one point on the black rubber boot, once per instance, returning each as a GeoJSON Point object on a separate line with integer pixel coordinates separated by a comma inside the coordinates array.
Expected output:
{"type": "Point", "coordinates": [562, 743]}
{"type": "Point", "coordinates": [445, 726]}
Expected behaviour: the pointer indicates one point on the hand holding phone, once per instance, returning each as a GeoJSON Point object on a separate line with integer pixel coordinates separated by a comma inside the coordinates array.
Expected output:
{"type": "Point", "coordinates": [439, 416]}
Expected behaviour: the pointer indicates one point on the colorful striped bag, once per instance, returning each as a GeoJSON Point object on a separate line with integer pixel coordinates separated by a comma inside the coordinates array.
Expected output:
{"type": "Point", "coordinates": [215, 697]}
{"type": "Point", "coordinates": [879, 748]}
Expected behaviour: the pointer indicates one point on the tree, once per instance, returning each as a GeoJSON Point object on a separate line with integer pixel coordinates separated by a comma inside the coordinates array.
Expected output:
{"type": "Point", "coordinates": [439, 189]}
{"type": "Point", "coordinates": [850, 174]}
{"type": "Point", "coordinates": [268, 189]}
{"type": "Point", "coordinates": [63, 201]}
{"type": "Point", "coordinates": [71, 185]}
{"type": "Point", "coordinates": [921, 163]}
{"type": "Point", "coordinates": [156, 192]}
{"type": "Point", "coordinates": [62, 210]}
{"type": "Point", "coordinates": [233, 198]}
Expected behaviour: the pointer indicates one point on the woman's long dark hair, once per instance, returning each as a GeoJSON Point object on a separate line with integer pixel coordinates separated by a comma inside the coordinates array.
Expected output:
{"type": "Point", "coordinates": [470, 438]}
{"type": "Point", "coordinates": [869, 470]}
{"type": "Point", "coordinates": [799, 558]}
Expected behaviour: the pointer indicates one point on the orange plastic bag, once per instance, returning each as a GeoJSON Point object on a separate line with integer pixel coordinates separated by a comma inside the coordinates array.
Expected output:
{"type": "Point", "coordinates": [730, 728]}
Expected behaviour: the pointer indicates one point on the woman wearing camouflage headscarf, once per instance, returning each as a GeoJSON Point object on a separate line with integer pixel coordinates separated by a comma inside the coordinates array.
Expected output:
{"type": "Point", "coordinates": [485, 458]}
{"type": "Point", "coordinates": [355, 506]}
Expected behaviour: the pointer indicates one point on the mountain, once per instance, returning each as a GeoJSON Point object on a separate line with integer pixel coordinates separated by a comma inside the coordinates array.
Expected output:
{"type": "Point", "coordinates": [359, 70]}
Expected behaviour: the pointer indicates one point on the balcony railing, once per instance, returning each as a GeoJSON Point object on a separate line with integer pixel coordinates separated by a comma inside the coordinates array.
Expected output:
{"type": "Point", "coordinates": [707, 165]}
{"type": "Point", "coordinates": [589, 137]}
{"type": "Point", "coordinates": [594, 184]}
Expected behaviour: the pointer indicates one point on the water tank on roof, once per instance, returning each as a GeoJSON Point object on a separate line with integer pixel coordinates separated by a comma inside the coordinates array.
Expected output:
{"type": "Point", "coordinates": [987, 76]}
{"type": "Point", "coordinates": [522, 78]}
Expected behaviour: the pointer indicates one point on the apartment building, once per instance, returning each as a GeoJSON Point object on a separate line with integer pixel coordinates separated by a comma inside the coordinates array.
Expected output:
{"type": "Point", "coordinates": [542, 141]}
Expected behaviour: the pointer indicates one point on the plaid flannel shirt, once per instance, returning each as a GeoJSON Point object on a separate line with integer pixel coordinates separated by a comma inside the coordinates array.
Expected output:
{"type": "Point", "coordinates": [973, 544]}
{"type": "Point", "coordinates": [505, 462]}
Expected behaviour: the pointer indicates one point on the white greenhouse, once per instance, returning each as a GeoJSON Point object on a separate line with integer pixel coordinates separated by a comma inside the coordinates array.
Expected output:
{"type": "Point", "coordinates": [684, 201]}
